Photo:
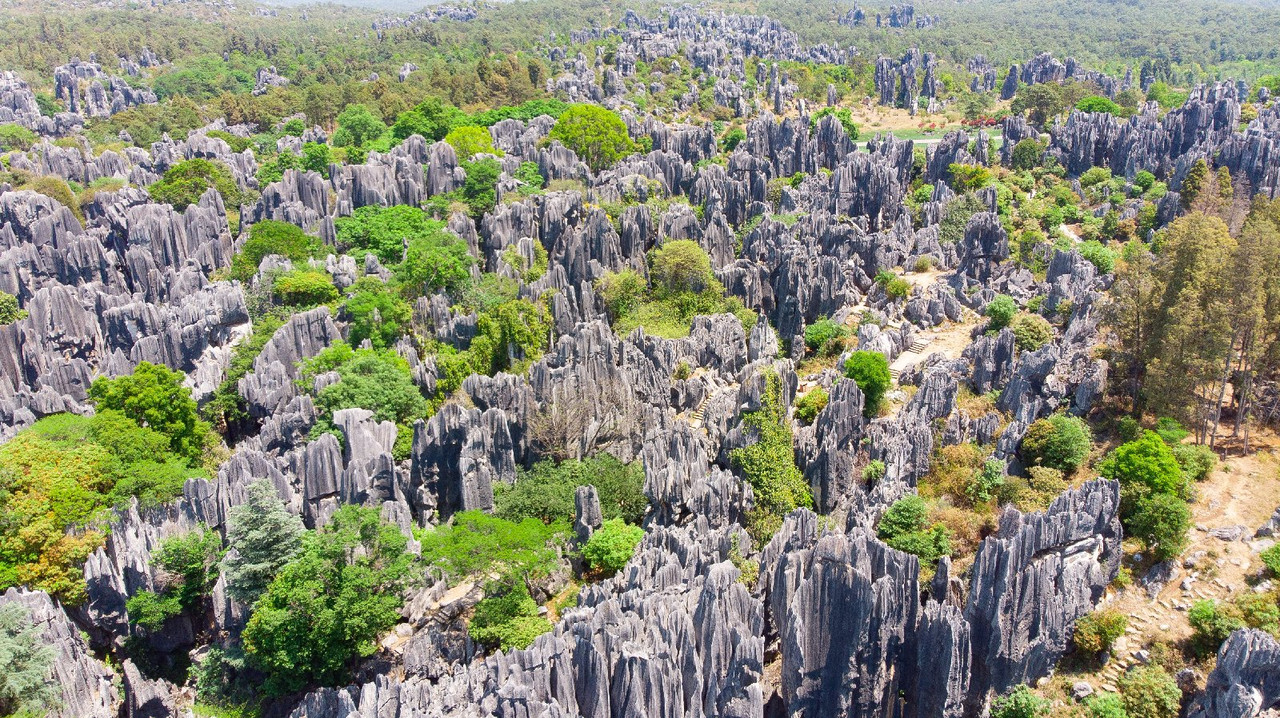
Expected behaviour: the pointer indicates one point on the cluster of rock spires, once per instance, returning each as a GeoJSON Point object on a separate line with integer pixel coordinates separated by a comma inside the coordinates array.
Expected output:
{"type": "Point", "coordinates": [898, 17]}
{"type": "Point", "coordinates": [844, 618]}
{"type": "Point", "coordinates": [1045, 68]}
{"type": "Point", "coordinates": [432, 14]}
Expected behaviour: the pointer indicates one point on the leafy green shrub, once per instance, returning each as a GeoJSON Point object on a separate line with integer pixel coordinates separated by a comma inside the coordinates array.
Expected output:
{"type": "Point", "coordinates": [508, 620]}
{"type": "Point", "coordinates": [1026, 154]}
{"type": "Point", "coordinates": [1259, 610]}
{"type": "Point", "coordinates": [1000, 311]}
{"type": "Point", "coordinates": [769, 464]}
{"type": "Point", "coordinates": [1030, 331]}
{"type": "Point", "coordinates": [871, 372]}
{"type": "Point", "coordinates": [191, 558]}
{"type": "Point", "coordinates": [843, 114]}
{"type": "Point", "coordinates": [823, 334]}
{"type": "Point", "coordinates": [1162, 522]}
{"type": "Point", "coordinates": [929, 545]}
{"type": "Point", "coordinates": [375, 379]}
{"type": "Point", "coordinates": [154, 397]}
{"type": "Point", "coordinates": [184, 183]}
{"type": "Point", "coordinates": [546, 491]}
{"type": "Point", "coordinates": [1098, 255]}
{"type": "Point", "coordinates": [1197, 460]}
{"type": "Point", "coordinates": [1211, 624]}
{"type": "Point", "coordinates": [1095, 632]}
{"type": "Point", "coordinates": [1095, 176]}
{"type": "Point", "coordinates": [304, 288]}
{"type": "Point", "coordinates": [680, 266]}
{"type": "Point", "coordinates": [1271, 559]}
{"type": "Point", "coordinates": [612, 545]}
{"type": "Point", "coordinates": [966, 178]}
{"type": "Point", "coordinates": [985, 482]}
{"type": "Point", "coordinates": [1059, 442]}
{"type": "Point", "coordinates": [1146, 465]}
{"type": "Point", "coordinates": [273, 237]}
{"type": "Point", "coordinates": [469, 140]}
{"type": "Point", "coordinates": [9, 311]}
{"type": "Point", "coordinates": [16, 137]}
{"type": "Point", "coordinates": [598, 136]}
{"type": "Point", "coordinates": [622, 292]}
{"type": "Point", "coordinates": [873, 471]}
{"type": "Point", "coordinates": [375, 312]}
{"type": "Point", "coordinates": [27, 688]}
{"type": "Point", "coordinates": [1170, 430]}
{"type": "Point", "coordinates": [1128, 428]}
{"type": "Point", "coordinates": [151, 610]}
{"type": "Point", "coordinates": [1105, 705]}
{"type": "Point", "coordinates": [1144, 180]}
{"type": "Point", "coordinates": [385, 230]}
{"type": "Point", "coordinates": [1098, 103]}
{"type": "Point", "coordinates": [529, 175]}
{"type": "Point", "coordinates": [330, 603]}
{"type": "Point", "coordinates": [1021, 702]}
{"type": "Point", "coordinates": [476, 544]}
{"type": "Point", "coordinates": [1149, 692]}
{"type": "Point", "coordinates": [808, 406]}
{"type": "Point", "coordinates": [906, 515]}
{"type": "Point", "coordinates": [732, 139]}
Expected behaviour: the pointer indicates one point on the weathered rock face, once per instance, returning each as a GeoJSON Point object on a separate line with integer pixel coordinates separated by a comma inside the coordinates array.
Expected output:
{"type": "Point", "coordinates": [459, 454]}
{"type": "Point", "coordinates": [1246, 680]}
{"type": "Point", "coordinates": [850, 606]}
{"type": "Point", "coordinates": [87, 686]}
{"type": "Point", "coordinates": [1034, 579]}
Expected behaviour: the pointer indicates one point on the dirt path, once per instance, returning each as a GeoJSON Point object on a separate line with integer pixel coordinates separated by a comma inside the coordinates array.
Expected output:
{"type": "Point", "coordinates": [1240, 495]}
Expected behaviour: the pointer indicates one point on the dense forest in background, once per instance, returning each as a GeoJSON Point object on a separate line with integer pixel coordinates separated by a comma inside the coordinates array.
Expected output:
{"type": "Point", "coordinates": [1198, 40]}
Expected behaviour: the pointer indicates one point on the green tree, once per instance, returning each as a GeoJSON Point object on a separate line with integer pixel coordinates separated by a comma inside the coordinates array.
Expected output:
{"type": "Point", "coordinates": [598, 136]}
{"type": "Point", "coordinates": [1145, 465]}
{"type": "Point", "coordinates": [622, 292]}
{"type": "Point", "coordinates": [316, 158]}
{"type": "Point", "coordinates": [376, 312]}
{"type": "Point", "coordinates": [435, 260]}
{"type": "Point", "coordinates": [824, 336]}
{"type": "Point", "coordinates": [27, 687]}
{"type": "Point", "coordinates": [273, 237]}
{"type": "Point", "coordinates": [769, 463]}
{"type": "Point", "coordinates": [9, 310]}
{"type": "Point", "coordinates": [1193, 183]}
{"type": "Point", "coordinates": [1000, 311]}
{"type": "Point", "coordinates": [476, 544]}
{"type": "Point", "coordinates": [1149, 692]}
{"type": "Point", "coordinates": [330, 603]}
{"type": "Point", "coordinates": [357, 126]}
{"type": "Point", "coordinates": [1059, 442]}
{"type": "Point", "coordinates": [478, 189]}
{"type": "Point", "coordinates": [470, 140]}
{"type": "Point", "coordinates": [612, 545]}
{"type": "Point", "coordinates": [510, 336]}
{"type": "Point", "coordinates": [871, 372]}
{"type": "Point", "coordinates": [183, 184]}
{"type": "Point", "coordinates": [154, 397]}
{"type": "Point", "coordinates": [1026, 154]}
{"type": "Point", "coordinates": [507, 619]}
{"type": "Point", "coordinates": [262, 536]}
{"type": "Point", "coordinates": [1041, 102]}
{"type": "Point", "coordinates": [966, 178]}
{"type": "Point", "coordinates": [1097, 103]}
{"type": "Point", "coordinates": [192, 559]}
{"type": "Point", "coordinates": [679, 266]}
{"type": "Point", "coordinates": [432, 120]}
{"type": "Point", "coordinates": [1162, 521]}
{"type": "Point", "coordinates": [385, 230]}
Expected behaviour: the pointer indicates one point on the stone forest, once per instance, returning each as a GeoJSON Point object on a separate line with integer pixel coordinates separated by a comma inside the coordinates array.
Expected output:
{"type": "Point", "coordinates": [558, 358]}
